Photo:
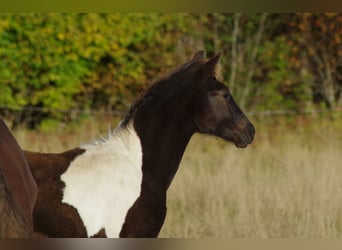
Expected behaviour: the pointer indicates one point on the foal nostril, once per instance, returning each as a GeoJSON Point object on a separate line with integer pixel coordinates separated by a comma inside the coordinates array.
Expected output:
{"type": "Point", "coordinates": [244, 131]}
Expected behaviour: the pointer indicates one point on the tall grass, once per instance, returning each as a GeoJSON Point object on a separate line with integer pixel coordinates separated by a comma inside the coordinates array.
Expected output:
{"type": "Point", "coordinates": [288, 183]}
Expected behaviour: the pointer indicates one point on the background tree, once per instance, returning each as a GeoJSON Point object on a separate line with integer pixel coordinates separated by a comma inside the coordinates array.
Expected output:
{"type": "Point", "coordinates": [53, 64]}
{"type": "Point", "coordinates": [319, 37]}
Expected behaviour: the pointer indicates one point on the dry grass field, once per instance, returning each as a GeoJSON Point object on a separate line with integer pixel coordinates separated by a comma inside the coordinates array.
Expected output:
{"type": "Point", "coordinates": [288, 183]}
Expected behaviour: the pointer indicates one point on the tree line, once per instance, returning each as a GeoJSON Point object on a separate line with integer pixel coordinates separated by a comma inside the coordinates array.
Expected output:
{"type": "Point", "coordinates": [62, 62]}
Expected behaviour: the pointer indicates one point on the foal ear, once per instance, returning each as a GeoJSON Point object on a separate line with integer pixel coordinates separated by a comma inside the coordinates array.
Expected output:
{"type": "Point", "coordinates": [210, 65]}
{"type": "Point", "coordinates": [198, 56]}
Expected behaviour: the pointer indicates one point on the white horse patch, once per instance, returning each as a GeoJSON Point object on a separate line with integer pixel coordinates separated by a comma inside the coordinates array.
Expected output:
{"type": "Point", "coordinates": [105, 181]}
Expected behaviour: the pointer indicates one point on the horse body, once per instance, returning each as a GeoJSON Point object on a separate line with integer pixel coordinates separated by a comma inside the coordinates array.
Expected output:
{"type": "Point", "coordinates": [118, 187]}
{"type": "Point", "coordinates": [52, 217]}
{"type": "Point", "coordinates": [18, 189]}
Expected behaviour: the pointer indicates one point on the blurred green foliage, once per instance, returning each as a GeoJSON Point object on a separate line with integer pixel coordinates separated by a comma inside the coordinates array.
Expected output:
{"type": "Point", "coordinates": [60, 62]}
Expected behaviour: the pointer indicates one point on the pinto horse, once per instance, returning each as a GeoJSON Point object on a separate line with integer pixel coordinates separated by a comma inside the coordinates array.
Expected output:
{"type": "Point", "coordinates": [18, 189]}
{"type": "Point", "coordinates": [117, 187]}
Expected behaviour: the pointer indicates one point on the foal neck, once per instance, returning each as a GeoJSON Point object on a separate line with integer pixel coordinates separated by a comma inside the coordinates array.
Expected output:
{"type": "Point", "coordinates": [164, 126]}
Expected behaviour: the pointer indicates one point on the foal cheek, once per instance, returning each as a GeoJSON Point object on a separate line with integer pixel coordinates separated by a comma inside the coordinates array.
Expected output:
{"type": "Point", "coordinates": [221, 111]}
{"type": "Point", "coordinates": [205, 122]}
{"type": "Point", "coordinates": [212, 116]}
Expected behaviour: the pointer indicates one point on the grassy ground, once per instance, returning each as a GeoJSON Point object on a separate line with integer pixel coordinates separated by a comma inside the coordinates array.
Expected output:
{"type": "Point", "coordinates": [288, 183]}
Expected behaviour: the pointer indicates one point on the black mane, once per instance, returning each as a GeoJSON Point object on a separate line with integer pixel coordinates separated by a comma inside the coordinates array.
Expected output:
{"type": "Point", "coordinates": [175, 77]}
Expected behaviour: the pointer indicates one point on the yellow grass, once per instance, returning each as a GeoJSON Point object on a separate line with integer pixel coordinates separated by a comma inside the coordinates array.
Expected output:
{"type": "Point", "coordinates": [287, 184]}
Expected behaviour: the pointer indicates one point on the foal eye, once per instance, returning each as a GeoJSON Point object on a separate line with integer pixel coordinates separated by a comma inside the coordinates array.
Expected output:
{"type": "Point", "coordinates": [226, 96]}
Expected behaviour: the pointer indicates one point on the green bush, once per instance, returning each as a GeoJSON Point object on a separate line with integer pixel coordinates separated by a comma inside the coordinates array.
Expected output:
{"type": "Point", "coordinates": [56, 63]}
{"type": "Point", "coordinates": [79, 61]}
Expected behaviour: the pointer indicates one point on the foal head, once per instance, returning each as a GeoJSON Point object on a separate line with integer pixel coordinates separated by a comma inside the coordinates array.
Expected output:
{"type": "Point", "coordinates": [217, 113]}
{"type": "Point", "coordinates": [191, 96]}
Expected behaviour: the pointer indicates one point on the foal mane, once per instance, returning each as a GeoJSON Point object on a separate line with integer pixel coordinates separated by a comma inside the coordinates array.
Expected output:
{"type": "Point", "coordinates": [177, 75]}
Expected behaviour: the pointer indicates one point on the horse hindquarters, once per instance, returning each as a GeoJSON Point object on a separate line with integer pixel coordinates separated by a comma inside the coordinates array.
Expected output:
{"type": "Point", "coordinates": [18, 189]}
{"type": "Point", "coordinates": [12, 223]}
